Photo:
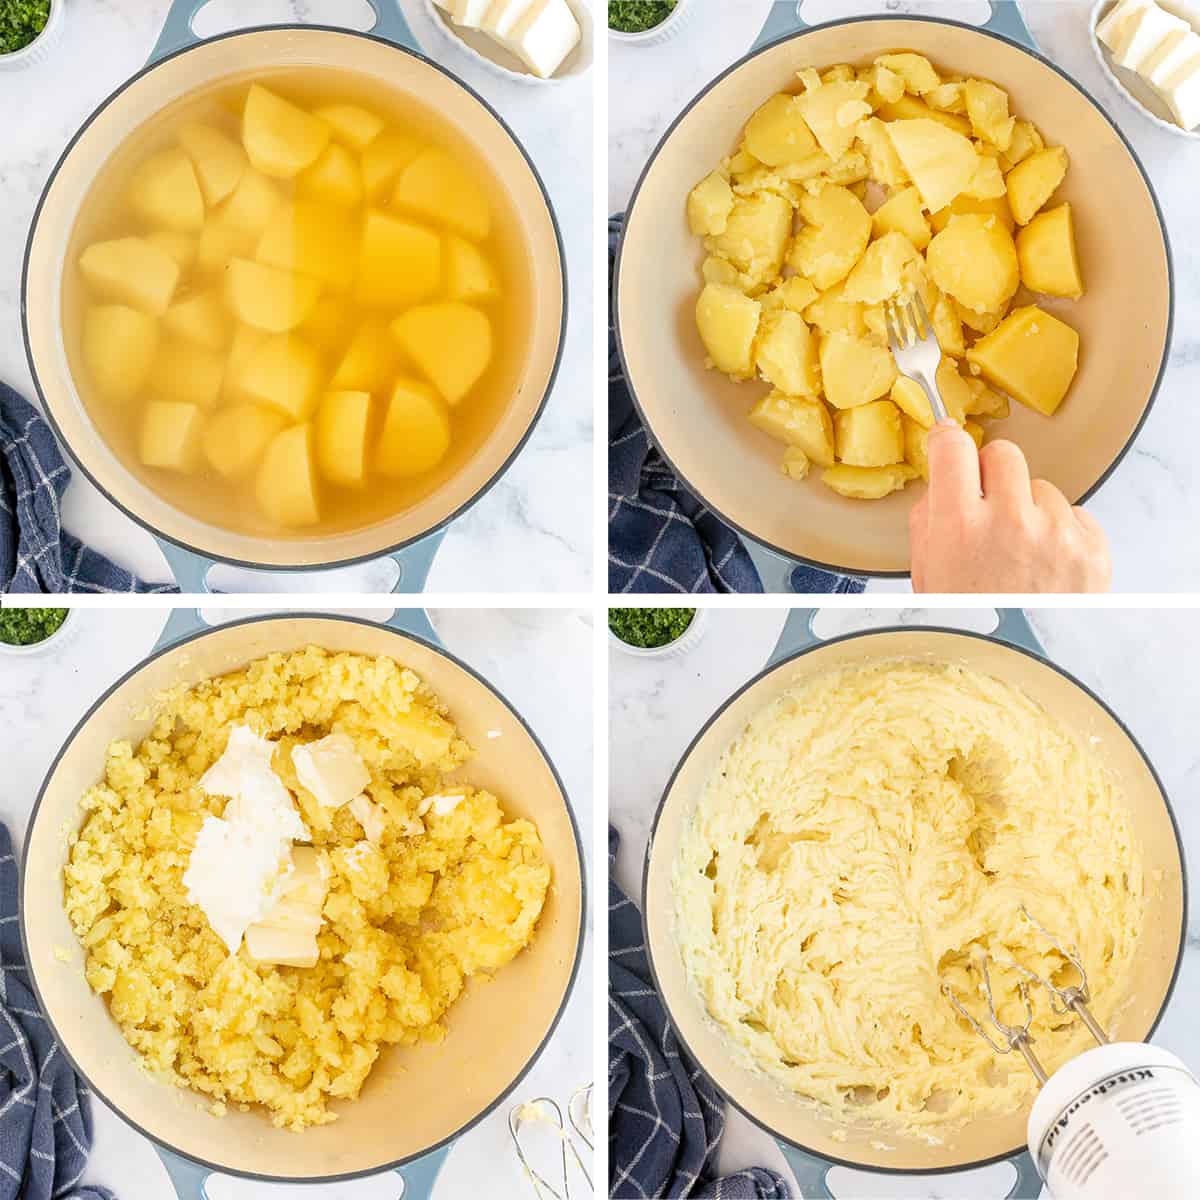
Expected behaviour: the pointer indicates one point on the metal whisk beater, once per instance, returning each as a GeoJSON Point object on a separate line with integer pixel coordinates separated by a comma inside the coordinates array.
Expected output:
{"type": "Point", "coordinates": [545, 1110]}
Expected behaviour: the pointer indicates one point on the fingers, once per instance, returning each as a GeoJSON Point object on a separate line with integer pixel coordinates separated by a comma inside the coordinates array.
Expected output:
{"type": "Point", "coordinates": [1052, 502]}
{"type": "Point", "coordinates": [1090, 525]}
{"type": "Point", "coordinates": [1005, 474]}
{"type": "Point", "coordinates": [954, 480]}
{"type": "Point", "coordinates": [918, 541]}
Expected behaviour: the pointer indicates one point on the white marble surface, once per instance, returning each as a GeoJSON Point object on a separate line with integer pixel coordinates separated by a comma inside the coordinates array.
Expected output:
{"type": "Point", "coordinates": [534, 657]}
{"type": "Point", "coordinates": [533, 531]}
{"type": "Point", "coordinates": [1145, 664]}
{"type": "Point", "coordinates": [1150, 507]}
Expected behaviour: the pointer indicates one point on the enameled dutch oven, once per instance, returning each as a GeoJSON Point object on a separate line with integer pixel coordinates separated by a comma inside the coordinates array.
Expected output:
{"type": "Point", "coordinates": [811, 1141]}
{"type": "Point", "coordinates": [696, 417]}
{"type": "Point", "coordinates": [179, 65]}
{"type": "Point", "coordinates": [415, 1101]}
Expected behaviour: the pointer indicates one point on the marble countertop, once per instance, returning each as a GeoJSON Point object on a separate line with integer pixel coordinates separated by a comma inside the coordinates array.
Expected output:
{"type": "Point", "coordinates": [536, 658]}
{"type": "Point", "coordinates": [533, 530]}
{"type": "Point", "coordinates": [1144, 664]}
{"type": "Point", "coordinates": [1157, 486]}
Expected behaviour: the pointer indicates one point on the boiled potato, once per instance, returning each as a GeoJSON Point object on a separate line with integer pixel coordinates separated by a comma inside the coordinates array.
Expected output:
{"type": "Point", "coordinates": [330, 324]}
{"type": "Point", "coordinates": [399, 263]}
{"type": "Point", "coordinates": [797, 421]}
{"type": "Point", "coordinates": [987, 110]}
{"type": "Point", "coordinates": [353, 124]}
{"type": "Point", "coordinates": [988, 181]}
{"type": "Point", "coordinates": [947, 326]}
{"type": "Point", "coordinates": [795, 463]}
{"type": "Point", "coordinates": [755, 236]}
{"type": "Point", "coordinates": [1032, 356]}
{"type": "Point", "coordinates": [285, 373]}
{"type": "Point", "coordinates": [974, 260]}
{"type": "Point", "coordinates": [217, 244]}
{"type": "Point", "coordinates": [343, 419]}
{"type": "Point", "coordinates": [437, 186]}
{"type": "Point", "coordinates": [982, 401]}
{"type": "Point", "coordinates": [286, 486]}
{"type": "Point", "coordinates": [796, 293]}
{"type": "Point", "coordinates": [269, 298]}
{"type": "Point", "coordinates": [252, 206]}
{"type": "Point", "coordinates": [469, 274]}
{"type": "Point", "coordinates": [882, 160]}
{"type": "Point", "coordinates": [831, 312]}
{"type": "Point", "coordinates": [164, 192]}
{"type": "Point", "coordinates": [131, 271]}
{"type": "Point", "coordinates": [910, 398]}
{"type": "Point", "coordinates": [786, 354]}
{"type": "Point", "coordinates": [778, 133]}
{"type": "Point", "coordinates": [867, 483]}
{"type": "Point", "coordinates": [939, 161]}
{"type": "Point", "coordinates": [854, 371]}
{"type": "Point", "coordinates": [180, 246]}
{"type": "Point", "coordinates": [201, 318]}
{"type": "Point", "coordinates": [914, 69]}
{"type": "Point", "coordinates": [709, 205]}
{"type": "Point", "coordinates": [170, 436]}
{"type": "Point", "coordinates": [1026, 140]}
{"type": "Point", "coordinates": [246, 339]}
{"type": "Point", "coordinates": [370, 361]}
{"type": "Point", "coordinates": [718, 270]}
{"type": "Point", "coordinates": [834, 237]}
{"type": "Point", "coordinates": [416, 431]}
{"type": "Point", "coordinates": [948, 97]}
{"type": "Point", "coordinates": [312, 239]}
{"type": "Point", "coordinates": [880, 273]}
{"type": "Point", "coordinates": [916, 445]}
{"type": "Point", "coordinates": [451, 343]}
{"type": "Point", "coordinates": [236, 437]}
{"type": "Point", "coordinates": [218, 160]}
{"type": "Point", "coordinates": [1033, 181]}
{"type": "Point", "coordinates": [119, 345]}
{"type": "Point", "coordinates": [962, 204]}
{"type": "Point", "coordinates": [980, 322]}
{"type": "Point", "coordinates": [903, 213]}
{"type": "Point", "coordinates": [887, 84]}
{"type": "Point", "coordinates": [833, 111]}
{"type": "Point", "coordinates": [186, 374]}
{"type": "Point", "coordinates": [384, 159]}
{"type": "Point", "coordinates": [870, 435]}
{"type": "Point", "coordinates": [335, 178]}
{"type": "Point", "coordinates": [909, 108]}
{"type": "Point", "coordinates": [728, 321]}
{"type": "Point", "coordinates": [1046, 252]}
{"type": "Point", "coordinates": [280, 138]}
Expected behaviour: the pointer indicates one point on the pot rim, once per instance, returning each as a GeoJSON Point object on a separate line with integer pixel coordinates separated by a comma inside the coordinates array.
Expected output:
{"type": "Point", "coordinates": [572, 978]}
{"type": "Point", "coordinates": [325, 564]}
{"type": "Point", "coordinates": [1036, 54]}
{"type": "Point", "coordinates": [937, 630]}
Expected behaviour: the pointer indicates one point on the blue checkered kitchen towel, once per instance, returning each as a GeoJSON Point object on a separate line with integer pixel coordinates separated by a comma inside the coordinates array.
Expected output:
{"type": "Point", "coordinates": [661, 538]}
{"type": "Point", "coordinates": [36, 553]}
{"type": "Point", "coordinates": [665, 1119]}
{"type": "Point", "coordinates": [45, 1114]}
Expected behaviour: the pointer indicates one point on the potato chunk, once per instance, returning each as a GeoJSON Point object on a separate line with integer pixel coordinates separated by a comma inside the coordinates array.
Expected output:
{"type": "Point", "coordinates": [280, 138]}
{"type": "Point", "coordinates": [867, 483]}
{"type": "Point", "coordinates": [416, 431]}
{"type": "Point", "coordinates": [285, 373]}
{"type": "Point", "coordinates": [910, 108]}
{"type": "Point", "coordinates": [870, 435]}
{"type": "Point", "coordinates": [833, 112]}
{"type": "Point", "coordinates": [252, 205]}
{"type": "Point", "coordinates": [854, 371]}
{"type": "Point", "coordinates": [786, 354]}
{"type": "Point", "coordinates": [836, 234]}
{"type": "Point", "coordinates": [1032, 182]}
{"type": "Point", "coordinates": [383, 160]}
{"type": "Point", "coordinates": [778, 133]}
{"type": "Point", "coordinates": [343, 419]}
{"type": "Point", "coordinates": [987, 110]}
{"type": "Point", "coordinates": [353, 124]}
{"type": "Point", "coordinates": [755, 236]}
{"type": "Point", "coordinates": [1030, 355]}
{"type": "Point", "coordinates": [728, 321]}
{"type": "Point", "coordinates": [201, 318]}
{"type": "Point", "coordinates": [437, 186]}
{"type": "Point", "coordinates": [974, 260]}
{"type": "Point", "coordinates": [902, 213]}
{"type": "Point", "coordinates": [180, 246]}
{"type": "Point", "coordinates": [335, 178]}
{"type": "Point", "coordinates": [186, 373]}
{"type": "Point", "coordinates": [451, 343]}
{"type": "Point", "coordinates": [131, 271]}
{"type": "Point", "coordinates": [1046, 252]}
{"type": "Point", "coordinates": [312, 239]}
{"type": "Point", "coordinates": [881, 272]}
{"type": "Point", "coordinates": [795, 463]}
{"type": "Point", "coordinates": [119, 344]}
{"type": "Point", "coordinates": [469, 273]}
{"type": "Point", "coordinates": [399, 263]}
{"type": "Point", "coordinates": [883, 162]}
{"type": "Point", "coordinates": [709, 204]}
{"type": "Point", "coordinates": [164, 192]}
{"type": "Point", "coordinates": [939, 161]}
{"type": "Point", "coordinates": [269, 298]}
{"type": "Point", "coordinates": [370, 361]}
{"type": "Point", "coordinates": [170, 436]}
{"type": "Point", "coordinates": [236, 437]}
{"type": "Point", "coordinates": [218, 160]}
{"type": "Point", "coordinates": [914, 69]}
{"type": "Point", "coordinates": [286, 486]}
{"type": "Point", "coordinates": [797, 421]}
{"type": "Point", "coordinates": [996, 206]}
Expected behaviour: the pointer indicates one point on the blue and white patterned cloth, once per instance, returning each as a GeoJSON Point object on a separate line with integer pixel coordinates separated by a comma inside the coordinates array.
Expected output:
{"type": "Point", "coordinates": [665, 1119]}
{"type": "Point", "coordinates": [45, 1112]}
{"type": "Point", "coordinates": [36, 554]}
{"type": "Point", "coordinates": [661, 538]}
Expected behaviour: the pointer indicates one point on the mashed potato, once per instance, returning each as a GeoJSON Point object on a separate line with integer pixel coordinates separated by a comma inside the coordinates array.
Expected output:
{"type": "Point", "coordinates": [867, 835]}
{"type": "Point", "coordinates": [443, 897]}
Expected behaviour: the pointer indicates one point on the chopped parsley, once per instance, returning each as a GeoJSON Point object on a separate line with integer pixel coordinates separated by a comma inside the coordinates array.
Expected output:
{"type": "Point", "coordinates": [25, 626]}
{"type": "Point", "coordinates": [20, 22]}
{"type": "Point", "coordinates": [650, 628]}
{"type": "Point", "coordinates": [636, 16]}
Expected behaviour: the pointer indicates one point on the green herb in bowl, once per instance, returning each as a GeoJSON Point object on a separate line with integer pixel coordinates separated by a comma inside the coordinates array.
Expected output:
{"type": "Point", "coordinates": [650, 628]}
{"type": "Point", "coordinates": [637, 16]}
{"type": "Point", "coordinates": [28, 626]}
{"type": "Point", "coordinates": [20, 22]}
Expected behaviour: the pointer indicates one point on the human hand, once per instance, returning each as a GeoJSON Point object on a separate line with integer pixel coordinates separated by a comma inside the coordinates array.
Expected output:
{"type": "Point", "coordinates": [984, 526]}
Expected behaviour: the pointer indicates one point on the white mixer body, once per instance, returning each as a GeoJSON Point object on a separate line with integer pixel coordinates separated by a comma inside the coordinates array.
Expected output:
{"type": "Point", "coordinates": [1120, 1122]}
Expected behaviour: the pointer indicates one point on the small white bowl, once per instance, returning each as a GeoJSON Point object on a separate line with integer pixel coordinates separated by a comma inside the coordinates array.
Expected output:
{"type": "Point", "coordinates": [1131, 85]}
{"type": "Point", "coordinates": [39, 49]}
{"type": "Point", "coordinates": [660, 32]}
{"type": "Point", "coordinates": [686, 641]}
{"type": "Point", "coordinates": [38, 647]}
{"type": "Point", "coordinates": [486, 51]}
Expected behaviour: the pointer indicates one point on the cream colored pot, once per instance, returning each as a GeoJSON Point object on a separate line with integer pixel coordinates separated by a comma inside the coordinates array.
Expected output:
{"type": "Point", "coordinates": [697, 417]}
{"type": "Point", "coordinates": [415, 1101]}
{"type": "Point", "coordinates": [810, 1141]}
{"type": "Point", "coordinates": [179, 66]}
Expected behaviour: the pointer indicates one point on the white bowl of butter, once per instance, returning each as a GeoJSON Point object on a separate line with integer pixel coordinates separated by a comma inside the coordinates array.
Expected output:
{"type": "Point", "coordinates": [1150, 52]}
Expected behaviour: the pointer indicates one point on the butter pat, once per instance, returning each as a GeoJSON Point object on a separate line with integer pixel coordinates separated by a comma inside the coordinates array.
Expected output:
{"type": "Point", "coordinates": [287, 934]}
{"type": "Point", "coordinates": [371, 817]}
{"type": "Point", "coordinates": [440, 806]}
{"type": "Point", "coordinates": [1143, 33]}
{"type": "Point", "coordinates": [502, 17]}
{"type": "Point", "coordinates": [1182, 95]}
{"type": "Point", "coordinates": [545, 35]}
{"type": "Point", "coordinates": [469, 13]}
{"type": "Point", "coordinates": [1111, 26]}
{"type": "Point", "coordinates": [331, 769]}
{"type": "Point", "coordinates": [244, 774]}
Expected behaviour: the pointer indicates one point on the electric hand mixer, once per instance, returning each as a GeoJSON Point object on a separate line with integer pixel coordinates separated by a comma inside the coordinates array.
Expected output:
{"type": "Point", "coordinates": [1121, 1120]}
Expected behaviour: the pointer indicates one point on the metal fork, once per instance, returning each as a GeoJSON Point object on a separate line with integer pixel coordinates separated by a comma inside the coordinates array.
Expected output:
{"type": "Point", "coordinates": [915, 348]}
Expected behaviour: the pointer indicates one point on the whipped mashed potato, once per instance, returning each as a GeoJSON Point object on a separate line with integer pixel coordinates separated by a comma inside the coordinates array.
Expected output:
{"type": "Point", "coordinates": [862, 841]}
